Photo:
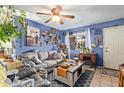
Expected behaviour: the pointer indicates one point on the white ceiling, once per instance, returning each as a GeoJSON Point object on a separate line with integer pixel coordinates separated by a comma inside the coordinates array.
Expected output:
{"type": "Point", "coordinates": [84, 14]}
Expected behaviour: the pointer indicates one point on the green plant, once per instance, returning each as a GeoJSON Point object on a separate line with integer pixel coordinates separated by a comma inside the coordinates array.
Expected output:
{"type": "Point", "coordinates": [9, 28]}
{"type": "Point", "coordinates": [86, 50]}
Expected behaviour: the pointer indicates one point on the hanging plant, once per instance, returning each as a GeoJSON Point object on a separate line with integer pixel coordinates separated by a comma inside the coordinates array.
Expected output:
{"type": "Point", "coordinates": [9, 28]}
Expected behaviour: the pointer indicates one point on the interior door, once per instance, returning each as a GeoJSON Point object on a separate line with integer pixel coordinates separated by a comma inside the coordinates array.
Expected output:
{"type": "Point", "coordinates": [108, 47]}
{"type": "Point", "coordinates": [113, 47]}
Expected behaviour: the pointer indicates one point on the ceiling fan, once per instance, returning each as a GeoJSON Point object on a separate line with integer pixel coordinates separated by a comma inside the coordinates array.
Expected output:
{"type": "Point", "coordinates": [56, 15]}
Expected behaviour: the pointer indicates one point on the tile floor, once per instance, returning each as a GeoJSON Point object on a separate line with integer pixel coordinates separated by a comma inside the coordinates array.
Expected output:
{"type": "Point", "coordinates": [104, 78]}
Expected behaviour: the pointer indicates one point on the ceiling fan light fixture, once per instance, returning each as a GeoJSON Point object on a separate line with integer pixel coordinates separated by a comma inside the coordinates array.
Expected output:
{"type": "Point", "coordinates": [56, 19]}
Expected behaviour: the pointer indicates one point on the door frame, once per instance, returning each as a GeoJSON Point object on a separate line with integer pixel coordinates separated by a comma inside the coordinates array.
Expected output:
{"type": "Point", "coordinates": [104, 47]}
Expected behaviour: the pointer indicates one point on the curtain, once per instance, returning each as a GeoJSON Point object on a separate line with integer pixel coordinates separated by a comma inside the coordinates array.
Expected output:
{"type": "Point", "coordinates": [88, 38]}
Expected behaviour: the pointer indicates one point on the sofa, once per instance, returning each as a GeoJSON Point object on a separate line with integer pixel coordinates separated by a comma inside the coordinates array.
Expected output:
{"type": "Point", "coordinates": [25, 76]}
{"type": "Point", "coordinates": [42, 59]}
{"type": "Point", "coordinates": [30, 73]}
{"type": "Point", "coordinates": [39, 63]}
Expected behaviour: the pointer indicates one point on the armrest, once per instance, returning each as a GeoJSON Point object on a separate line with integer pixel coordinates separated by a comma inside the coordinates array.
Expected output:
{"type": "Point", "coordinates": [24, 83]}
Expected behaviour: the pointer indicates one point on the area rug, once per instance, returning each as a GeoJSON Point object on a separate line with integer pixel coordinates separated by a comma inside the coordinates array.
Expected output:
{"type": "Point", "coordinates": [110, 72]}
{"type": "Point", "coordinates": [84, 80]}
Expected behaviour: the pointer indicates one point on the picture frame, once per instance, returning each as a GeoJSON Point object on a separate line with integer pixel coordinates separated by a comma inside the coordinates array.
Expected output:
{"type": "Point", "coordinates": [32, 36]}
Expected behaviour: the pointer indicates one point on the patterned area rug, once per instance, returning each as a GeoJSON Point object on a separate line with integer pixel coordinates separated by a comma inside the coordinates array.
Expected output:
{"type": "Point", "coordinates": [110, 72]}
{"type": "Point", "coordinates": [84, 80]}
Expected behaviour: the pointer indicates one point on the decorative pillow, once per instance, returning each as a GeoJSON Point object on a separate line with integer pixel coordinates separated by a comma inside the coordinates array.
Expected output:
{"type": "Point", "coordinates": [26, 72]}
{"type": "Point", "coordinates": [50, 56]}
{"type": "Point", "coordinates": [36, 60]}
{"type": "Point", "coordinates": [57, 56]}
{"type": "Point", "coordinates": [43, 55]}
{"type": "Point", "coordinates": [29, 62]}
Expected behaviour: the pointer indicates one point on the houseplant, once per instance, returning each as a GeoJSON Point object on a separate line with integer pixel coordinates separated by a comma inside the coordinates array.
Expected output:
{"type": "Point", "coordinates": [9, 28]}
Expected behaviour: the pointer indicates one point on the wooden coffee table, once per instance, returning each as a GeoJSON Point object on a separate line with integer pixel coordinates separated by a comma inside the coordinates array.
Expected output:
{"type": "Point", "coordinates": [73, 74]}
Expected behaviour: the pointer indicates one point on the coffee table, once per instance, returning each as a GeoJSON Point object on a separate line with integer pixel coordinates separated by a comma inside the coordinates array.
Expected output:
{"type": "Point", "coordinates": [73, 74]}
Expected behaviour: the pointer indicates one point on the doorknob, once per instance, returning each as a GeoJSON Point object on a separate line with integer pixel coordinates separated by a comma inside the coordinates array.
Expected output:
{"type": "Point", "coordinates": [106, 51]}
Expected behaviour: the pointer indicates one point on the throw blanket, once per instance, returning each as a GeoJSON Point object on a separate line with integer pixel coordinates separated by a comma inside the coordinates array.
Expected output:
{"type": "Point", "coordinates": [62, 72]}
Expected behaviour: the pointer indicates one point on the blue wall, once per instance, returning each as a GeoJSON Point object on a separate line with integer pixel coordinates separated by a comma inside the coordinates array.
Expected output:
{"type": "Point", "coordinates": [97, 30]}
{"type": "Point", "coordinates": [20, 43]}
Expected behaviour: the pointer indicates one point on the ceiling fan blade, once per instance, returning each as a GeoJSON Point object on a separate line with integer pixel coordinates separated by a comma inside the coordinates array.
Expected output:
{"type": "Point", "coordinates": [68, 16]}
{"type": "Point", "coordinates": [61, 21]}
{"type": "Point", "coordinates": [43, 13]}
{"type": "Point", "coordinates": [48, 20]}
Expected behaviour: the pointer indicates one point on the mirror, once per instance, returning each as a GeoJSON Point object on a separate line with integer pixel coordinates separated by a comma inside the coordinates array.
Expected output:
{"type": "Point", "coordinates": [77, 42]}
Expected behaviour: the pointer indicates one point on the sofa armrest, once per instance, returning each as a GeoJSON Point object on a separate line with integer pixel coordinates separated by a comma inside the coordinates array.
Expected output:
{"type": "Point", "coordinates": [24, 83]}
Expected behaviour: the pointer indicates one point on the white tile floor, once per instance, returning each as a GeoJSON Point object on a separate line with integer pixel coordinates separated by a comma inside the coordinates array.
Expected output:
{"type": "Point", "coordinates": [101, 79]}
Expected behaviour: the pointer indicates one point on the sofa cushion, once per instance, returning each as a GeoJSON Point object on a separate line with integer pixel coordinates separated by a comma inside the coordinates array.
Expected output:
{"type": "Point", "coordinates": [42, 55]}
{"type": "Point", "coordinates": [50, 63]}
{"type": "Point", "coordinates": [42, 83]}
{"type": "Point", "coordinates": [51, 54]}
{"type": "Point", "coordinates": [38, 80]}
{"type": "Point", "coordinates": [36, 77]}
{"type": "Point", "coordinates": [36, 60]}
{"type": "Point", "coordinates": [29, 62]}
{"type": "Point", "coordinates": [58, 60]}
{"type": "Point", "coordinates": [25, 72]}
{"type": "Point", "coordinates": [57, 56]}
{"type": "Point", "coordinates": [43, 65]}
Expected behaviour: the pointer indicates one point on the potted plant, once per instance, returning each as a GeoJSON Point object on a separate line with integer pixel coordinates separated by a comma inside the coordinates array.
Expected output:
{"type": "Point", "coordinates": [87, 50]}
{"type": "Point", "coordinates": [9, 24]}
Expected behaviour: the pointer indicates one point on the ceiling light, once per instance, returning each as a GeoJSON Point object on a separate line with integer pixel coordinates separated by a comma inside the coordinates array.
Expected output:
{"type": "Point", "coordinates": [56, 19]}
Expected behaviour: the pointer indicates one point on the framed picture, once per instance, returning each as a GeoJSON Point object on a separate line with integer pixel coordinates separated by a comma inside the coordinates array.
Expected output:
{"type": "Point", "coordinates": [32, 36]}
{"type": "Point", "coordinates": [34, 32]}
{"type": "Point", "coordinates": [32, 41]}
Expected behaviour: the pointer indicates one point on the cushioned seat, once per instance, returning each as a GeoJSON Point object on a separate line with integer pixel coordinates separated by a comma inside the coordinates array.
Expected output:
{"type": "Point", "coordinates": [50, 63]}
{"type": "Point", "coordinates": [43, 65]}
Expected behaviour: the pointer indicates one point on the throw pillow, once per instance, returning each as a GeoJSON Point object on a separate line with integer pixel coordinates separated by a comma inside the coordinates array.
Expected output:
{"type": "Point", "coordinates": [57, 56]}
{"type": "Point", "coordinates": [43, 55]}
{"type": "Point", "coordinates": [28, 62]}
{"type": "Point", "coordinates": [26, 72]}
{"type": "Point", "coordinates": [36, 60]}
{"type": "Point", "coordinates": [50, 56]}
